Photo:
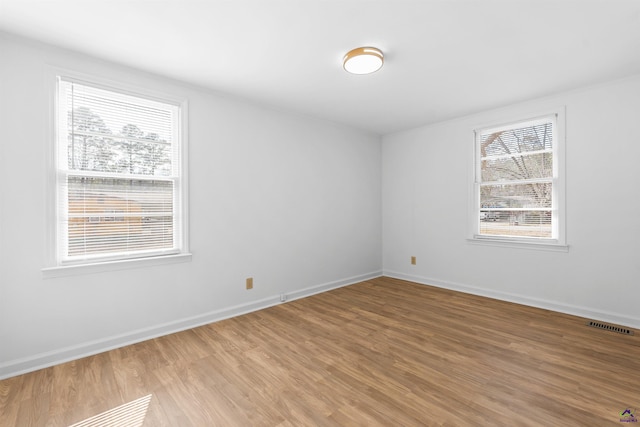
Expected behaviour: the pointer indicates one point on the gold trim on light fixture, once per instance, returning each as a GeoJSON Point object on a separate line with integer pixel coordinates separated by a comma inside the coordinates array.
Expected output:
{"type": "Point", "coordinates": [363, 60]}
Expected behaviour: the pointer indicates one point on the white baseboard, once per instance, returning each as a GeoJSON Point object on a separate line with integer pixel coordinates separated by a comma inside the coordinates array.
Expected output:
{"type": "Point", "coordinates": [302, 293]}
{"type": "Point", "coordinates": [44, 360]}
{"type": "Point", "coordinates": [589, 313]}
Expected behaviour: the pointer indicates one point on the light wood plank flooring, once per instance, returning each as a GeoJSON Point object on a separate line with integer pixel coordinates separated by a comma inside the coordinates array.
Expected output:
{"type": "Point", "coordinates": [379, 353]}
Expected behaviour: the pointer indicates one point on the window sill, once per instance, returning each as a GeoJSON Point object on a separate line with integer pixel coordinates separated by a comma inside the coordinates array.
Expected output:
{"type": "Point", "coordinates": [519, 244]}
{"type": "Point", "coordinates": [99, 267]}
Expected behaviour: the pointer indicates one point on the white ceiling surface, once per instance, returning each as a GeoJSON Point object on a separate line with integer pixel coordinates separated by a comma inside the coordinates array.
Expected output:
{"type": "Point", "coordinates": [443, 58]}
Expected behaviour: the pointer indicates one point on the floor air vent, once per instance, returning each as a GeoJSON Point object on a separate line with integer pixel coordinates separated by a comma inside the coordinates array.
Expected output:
{"type": "Point", "coordinates": [612, 328]}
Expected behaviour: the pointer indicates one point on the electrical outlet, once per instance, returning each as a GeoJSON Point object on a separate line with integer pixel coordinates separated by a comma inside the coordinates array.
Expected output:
{"type": "Point", "coordinates": [250, 283]}
{"type": "Point", "coordinates": [413, 260]}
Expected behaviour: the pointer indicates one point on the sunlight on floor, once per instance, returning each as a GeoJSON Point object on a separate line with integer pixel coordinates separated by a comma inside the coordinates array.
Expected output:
{"type": "Point", "coordinates": [130, 414]}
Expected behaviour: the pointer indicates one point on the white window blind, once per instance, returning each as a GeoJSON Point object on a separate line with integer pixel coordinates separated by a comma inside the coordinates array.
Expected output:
{"type": "Point", "coordinates": [515, 180]}
{"type": "Point", "coordinates": [118, 175]}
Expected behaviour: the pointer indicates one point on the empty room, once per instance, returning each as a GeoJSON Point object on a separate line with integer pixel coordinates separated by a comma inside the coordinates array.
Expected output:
{"type": "Point", "coordinates": [319, 213]}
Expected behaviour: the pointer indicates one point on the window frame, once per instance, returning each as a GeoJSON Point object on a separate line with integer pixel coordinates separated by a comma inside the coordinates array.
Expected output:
{"type": "Point", "coordinates": [558, 241]}
{"type": "Point", "coordinates": [54, 263]}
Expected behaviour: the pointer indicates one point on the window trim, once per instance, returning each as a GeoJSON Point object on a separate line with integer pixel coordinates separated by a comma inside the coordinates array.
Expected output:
{"type": "Point", "coordinates": [122, 264]}
{"type": "Point", "coordinates": [54, 267]}
{"type": "Point", "coordinates": [558, 243]}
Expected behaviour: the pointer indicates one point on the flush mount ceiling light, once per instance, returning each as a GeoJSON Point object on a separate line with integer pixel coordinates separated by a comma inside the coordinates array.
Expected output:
{"type": "Point", "coordinates": [363, 60]}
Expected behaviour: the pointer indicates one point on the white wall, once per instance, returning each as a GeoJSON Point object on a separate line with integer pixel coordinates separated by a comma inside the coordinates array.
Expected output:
{"type": "Point", "coordinates": [425, 205]}
{"type": "Point", "coordinates": [296, 203]}
{"type": "Point", "coordinates": [291, 201]}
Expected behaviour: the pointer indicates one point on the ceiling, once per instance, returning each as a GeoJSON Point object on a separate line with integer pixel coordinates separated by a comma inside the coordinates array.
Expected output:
{"type": "Point", "coordinates": [443, 58]}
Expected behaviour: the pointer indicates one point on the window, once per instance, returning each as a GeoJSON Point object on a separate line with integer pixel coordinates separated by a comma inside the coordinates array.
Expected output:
{"type": "Point", "coordinates": [120, 187]}
{"type": "Point", "coordinates": [518, 182]}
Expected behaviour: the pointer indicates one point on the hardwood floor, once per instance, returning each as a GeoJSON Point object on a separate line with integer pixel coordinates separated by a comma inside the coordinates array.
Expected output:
{"type": "Point", "coordinates": [379, 353]}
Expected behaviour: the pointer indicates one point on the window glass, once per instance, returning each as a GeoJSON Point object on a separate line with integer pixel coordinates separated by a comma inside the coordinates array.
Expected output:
{"type": "Point", "coordinates": [119, 177]}
{"type": "Point", "coordinates": [516, 180]}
